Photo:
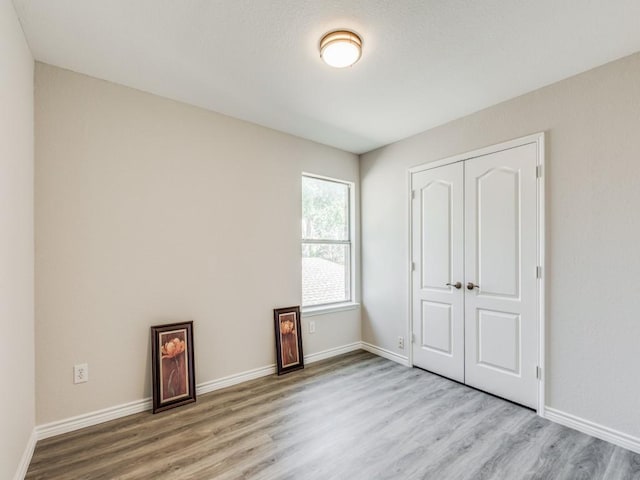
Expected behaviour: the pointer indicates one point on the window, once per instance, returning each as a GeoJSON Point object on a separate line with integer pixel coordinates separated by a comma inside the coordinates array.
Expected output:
{"type": "Point", "coordinates": [326, 241]}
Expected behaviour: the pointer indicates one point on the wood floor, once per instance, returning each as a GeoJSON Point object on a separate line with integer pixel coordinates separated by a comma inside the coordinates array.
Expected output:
{"type": "Point", "coordinates": [356, 416]}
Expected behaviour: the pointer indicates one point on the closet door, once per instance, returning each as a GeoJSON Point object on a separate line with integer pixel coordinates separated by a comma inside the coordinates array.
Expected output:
{"type": "Point", "coordinates": [437, 239]}
{"type": "Point", "coordinates": [500, 274]}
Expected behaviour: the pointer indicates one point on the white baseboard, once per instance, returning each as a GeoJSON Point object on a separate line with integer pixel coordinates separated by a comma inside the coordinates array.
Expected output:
{"type": "Point", "coordinates": [591, 428]}
{"type": "Point", "coordinates": [23, 466]}
{"type": "Point", "coordinates": [235, 379]}
{"type": "Point", "coordinates": [143, 405]}
{"type": "Point", "coordinates": [383, 352]}
{"type": "Point", "coordinates": [93, 418]}
{"type": "Point", "coordinates": [332, 352]}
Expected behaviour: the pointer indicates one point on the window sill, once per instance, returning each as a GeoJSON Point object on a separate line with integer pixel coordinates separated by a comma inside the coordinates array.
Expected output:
{"type": "Point", "coordinates": [324, 309]}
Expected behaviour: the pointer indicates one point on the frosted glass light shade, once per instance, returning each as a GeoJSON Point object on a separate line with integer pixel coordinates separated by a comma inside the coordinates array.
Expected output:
{"type": "Point", "coordinates": [340, 49]}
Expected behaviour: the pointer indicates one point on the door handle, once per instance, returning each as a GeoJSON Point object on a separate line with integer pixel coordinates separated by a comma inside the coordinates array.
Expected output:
{"type": "Point", "coordinates": [457, 285]}
{"type": "Point", "coordinates": [471, 286]}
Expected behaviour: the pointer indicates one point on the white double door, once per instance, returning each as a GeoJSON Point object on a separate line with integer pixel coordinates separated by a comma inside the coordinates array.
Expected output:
{"type": "Point", "coordinates": [475, 299]}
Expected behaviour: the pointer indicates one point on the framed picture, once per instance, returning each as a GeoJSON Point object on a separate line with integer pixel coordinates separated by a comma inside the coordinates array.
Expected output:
{"type": "Point", "coordinates": [174, 381]}
{"type": "Point", "coordinates": [288, 339]}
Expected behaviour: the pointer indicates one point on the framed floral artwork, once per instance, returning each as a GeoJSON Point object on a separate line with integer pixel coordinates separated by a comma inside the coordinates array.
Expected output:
{"type": "Point", "coordinates": [173, 375]}
{"type": "Point", "coordinates": [289, 355]}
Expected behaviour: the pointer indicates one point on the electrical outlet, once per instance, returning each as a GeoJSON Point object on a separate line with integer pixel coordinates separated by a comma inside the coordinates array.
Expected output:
{"type": "Point", "coordinates": [400, 342]}
{"type": "Point", "coordinates": [312, 326]}
{"type": "Point", "coordinates": [81, 373]}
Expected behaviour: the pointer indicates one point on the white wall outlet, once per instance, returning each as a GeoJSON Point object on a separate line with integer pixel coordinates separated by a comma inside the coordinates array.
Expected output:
{"type": "Point", "coordinates": [312, 326]}
{"type": "Point", "coordinates": [81, 373]}
{"type": "Point", "coordinates": [400, 342]}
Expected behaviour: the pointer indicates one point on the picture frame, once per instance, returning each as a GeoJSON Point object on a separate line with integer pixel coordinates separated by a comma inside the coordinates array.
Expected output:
{"type": "Point", "coordinates": [173, 368]}
{"type": "Point", "coordinates": [289, 356]}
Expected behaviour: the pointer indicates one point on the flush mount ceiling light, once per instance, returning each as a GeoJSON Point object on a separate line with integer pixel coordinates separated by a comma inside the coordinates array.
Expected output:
{"type": "Point", "coordinates": [340, 49]}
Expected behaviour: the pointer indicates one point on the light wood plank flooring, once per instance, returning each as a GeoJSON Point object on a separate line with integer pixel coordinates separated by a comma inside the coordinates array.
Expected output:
{"type": "Point", "coordinates": [356, 416]}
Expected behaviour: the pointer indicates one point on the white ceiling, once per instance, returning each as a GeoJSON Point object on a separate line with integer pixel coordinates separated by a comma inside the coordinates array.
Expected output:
{"type": "Point", "coordinates": [425, 62]}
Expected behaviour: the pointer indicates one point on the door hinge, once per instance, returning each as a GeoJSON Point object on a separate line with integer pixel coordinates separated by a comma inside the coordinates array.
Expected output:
{"type": "Point", "coordinates": [413, 338]}
{"type": "Point", "coordinates": [413, 194]}
{"type": "Point", "coordinates": [538, 171]}
{"type": "Point", "coordinates": [538, 271]}
{"type": "Point", "coordinates": [538, 373]}
{"type": "Point", "coordinates": [413, 266]}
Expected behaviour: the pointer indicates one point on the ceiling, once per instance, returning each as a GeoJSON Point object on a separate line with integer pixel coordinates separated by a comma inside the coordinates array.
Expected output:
{"type": "Point", "coordinates": [424, 63]}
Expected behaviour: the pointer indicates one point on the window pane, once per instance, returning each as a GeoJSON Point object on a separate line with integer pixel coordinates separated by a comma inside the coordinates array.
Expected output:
{"type": "Point", "coordinates": [325, 274]}
{"type": "Point", "coordinates": [325, 210]}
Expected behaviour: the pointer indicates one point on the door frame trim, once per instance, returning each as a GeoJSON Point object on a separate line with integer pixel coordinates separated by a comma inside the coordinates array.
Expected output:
{"type": "Point", "coordinates": [539, 140]}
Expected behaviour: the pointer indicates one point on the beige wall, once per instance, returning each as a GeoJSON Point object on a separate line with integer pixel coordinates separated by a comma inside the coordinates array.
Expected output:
{"type": "Point", "coordinates": [16, 242]}
{"type": "Point", "coordinates": [592, 123]}
{"type": "Point", "coordinates": [151, 211]}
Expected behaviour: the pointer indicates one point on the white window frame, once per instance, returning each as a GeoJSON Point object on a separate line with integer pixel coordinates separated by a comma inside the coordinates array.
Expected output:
{"type": "Point", "coordinates": [348, 304]}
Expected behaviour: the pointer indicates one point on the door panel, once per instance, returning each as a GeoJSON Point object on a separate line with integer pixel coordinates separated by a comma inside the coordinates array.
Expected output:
{"type": "Point", "coordinates": [500, 258]}
{"type": "Point", "coordinates": [438, 308]}
{"type": "Point", "coordinates": [435, 199]}
{"type": "Point", "coordinates": [498, 216]}
{"type": "Point", "coordinates": [498, 342]}
{"type": "Point", "coordinates": [437, 326]}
